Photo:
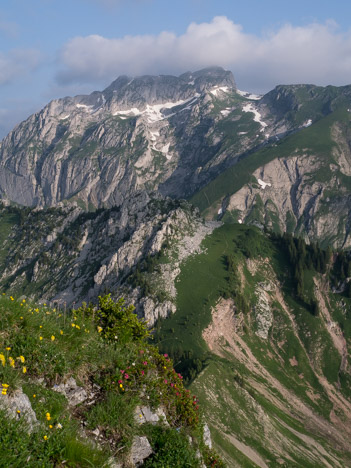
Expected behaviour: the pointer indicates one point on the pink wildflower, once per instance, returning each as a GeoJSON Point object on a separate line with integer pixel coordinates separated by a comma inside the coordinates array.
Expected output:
{"type": "Point", "coordinates": [145, 363]}
{"type": "Point", "coordinates": [126, 376]}
{"type": "Point", "coordinates": [142, 372]}
{"type": "Point", "coordinates": [165, 381]}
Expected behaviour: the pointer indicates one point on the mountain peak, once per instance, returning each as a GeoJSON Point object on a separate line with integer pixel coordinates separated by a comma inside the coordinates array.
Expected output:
{"type": "Point", "coordinates": [152, 89]}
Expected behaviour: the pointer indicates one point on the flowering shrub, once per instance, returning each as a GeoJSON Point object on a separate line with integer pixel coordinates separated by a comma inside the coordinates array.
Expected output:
{"type": "Point", "coordinates": [106, 345]}
{"type": "Point", "coordinates": [212, 459]}
{"type": "Point", "coordinates": [116, 322]}
{"type": "Point", "coordinates": [151, 373]}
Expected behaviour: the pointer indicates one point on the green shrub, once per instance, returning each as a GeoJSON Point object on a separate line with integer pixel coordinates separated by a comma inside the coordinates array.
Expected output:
{"type": "Point", "coordinates": [171, 449]}
{"type": "Point", "coordinates": [117, 322]}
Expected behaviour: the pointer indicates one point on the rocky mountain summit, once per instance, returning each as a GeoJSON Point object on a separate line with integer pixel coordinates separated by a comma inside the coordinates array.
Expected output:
{"type": "Point", "coordinates": [99, 149]}
{"type": "Point", "coordinates": [281, 160]}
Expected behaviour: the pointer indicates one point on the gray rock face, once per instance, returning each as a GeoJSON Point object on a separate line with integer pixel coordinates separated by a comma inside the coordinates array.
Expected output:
{"type": "Point", "coordinates": [144, 414]}
{"type": "Point", "coordinates": [141, 449]}
{"type": "Point", "coordinates": [71, 256]}
{"type": "Point", "coordinates": [17, 405]}
{"type": "Point", "coordinates": [207, 436]}
{"type": "Point", "coordinates": [263, 313]}
{"type": "Point", "coordinates": [288, 196]}
{"type": "Point", "coordinates": [74, 394]}
{"type": "Point", "coordinates": [99, 149]}
{"type": "Point", "coordinates": [174, 135]}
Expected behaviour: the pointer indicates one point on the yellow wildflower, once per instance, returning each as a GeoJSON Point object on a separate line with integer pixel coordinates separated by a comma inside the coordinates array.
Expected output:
{"type": "Point", "coordinates": [77, 326]}
{"type": "Point", "coordinates": [99, 329]}
{"type": "Point", "coordinates": [18, 411]}
{"type": "Point", "coordinates": [48, 417]}
{"type": "Point", "coordinates": [21, 358]}
{"type": "Point", "coordinates": [73, 325]}
{"type": "Point", "coordinates": [34, 396]}
{"type": "Point", "coordinates": [50, 426]}
{"type": "Point", "coordinates": [40, 326]}
{"type": "Point", "coordinates": [61, 332]}
{"type": "Point", "coordinates": [3, 360]}
{"type": "Point", "coordinates": [23, 300]}
{"type": "Point", "coordinates": [24, 369]}
{"type": "Point", "coordinates": [40, 338]}
{"type": "Point", "coordinates": [5, 385]}
{"type": "Point", "coordinates": [52, 338]}
{"type": "Point", "coordinates": [12, 362]}
{"type": "Point", "coordinates": [8, 348]}
{"type": "Point", "coordinates": [12, 299]}
{"type": "Point", "coordinates": [45, 437]}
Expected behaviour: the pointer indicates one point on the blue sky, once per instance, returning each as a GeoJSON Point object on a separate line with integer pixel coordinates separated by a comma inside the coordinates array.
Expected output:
{"type": "Point", "coordinates": [54, 48]}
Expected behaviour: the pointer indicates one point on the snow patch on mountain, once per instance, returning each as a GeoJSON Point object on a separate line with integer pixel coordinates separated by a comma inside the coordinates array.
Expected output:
{"type": "Point", "coordinates": [248, 95]}
{"type": "Point", "coordinates": [84, 106]}
{"type": "Point", "coordinates": [226, 112]}
{"type": "Point", "coordinates": [257, 118]}
{"type": "Point", "coordinates": [165, 150]}
{"type": "Point", "coordinates": [264, 184]}
{"type": "Point", "coordinates": [154, 135]}
{"type": "Point", "coordinates": [132, 112]}
{"type": "Point", "coordinates": [154, 113]}
{"type": "Point", "coordinates": [217, 89]}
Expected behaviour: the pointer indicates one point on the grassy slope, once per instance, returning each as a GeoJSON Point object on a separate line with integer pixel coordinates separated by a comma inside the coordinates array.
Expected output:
{"type": "Point", "coordinates": [41, 347]}
{"type": "Point", "coordinates": [199, 284]}
{"type": "Point", "coordinates": [7, 221]}
{"type": "Point", "coordinates": [235, 396]}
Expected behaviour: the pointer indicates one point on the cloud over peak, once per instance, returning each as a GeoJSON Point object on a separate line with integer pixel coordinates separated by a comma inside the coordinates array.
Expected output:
{"type": "Point", "coordinates": [316, 53]}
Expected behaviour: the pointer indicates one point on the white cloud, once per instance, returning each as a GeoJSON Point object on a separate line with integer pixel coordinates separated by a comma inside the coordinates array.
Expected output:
{"type": "Point", "coordinates": [17, 62]}
{"type": "Point", "coordinates": [316, 53]}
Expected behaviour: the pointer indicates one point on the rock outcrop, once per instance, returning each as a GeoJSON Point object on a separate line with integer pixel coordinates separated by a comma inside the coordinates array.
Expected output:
{"type": "Point", "coordinates": [98, 150]}
{"type": "Point", "coordinates": [17, 405]}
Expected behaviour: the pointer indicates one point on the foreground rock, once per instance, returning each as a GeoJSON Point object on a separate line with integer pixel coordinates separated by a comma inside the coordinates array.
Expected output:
{"type": "Point", "coordinates": [18, 406]}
